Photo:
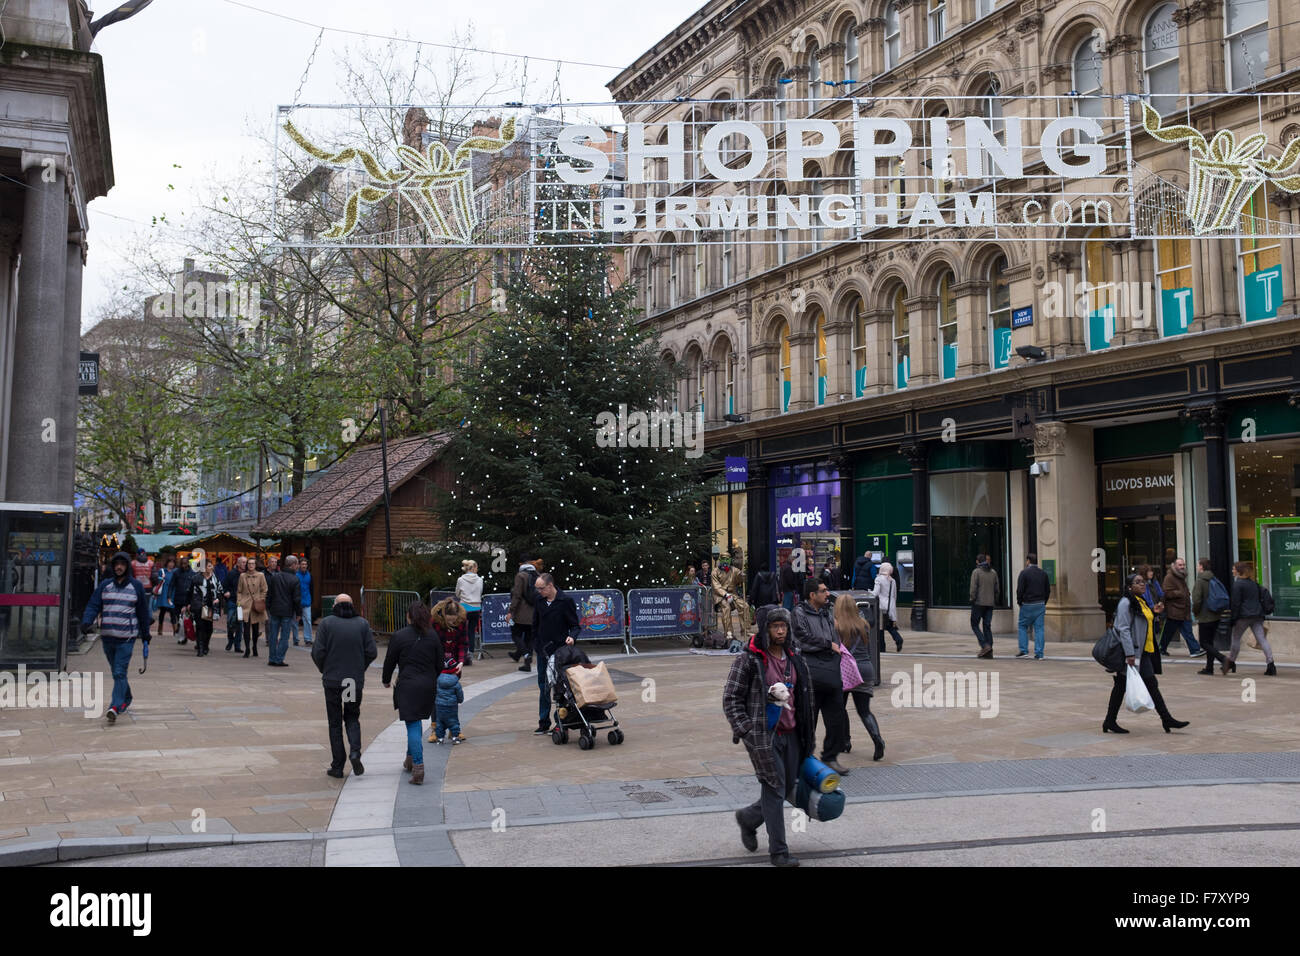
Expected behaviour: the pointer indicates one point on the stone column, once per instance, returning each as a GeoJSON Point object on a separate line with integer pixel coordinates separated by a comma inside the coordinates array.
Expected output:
{"type": "Point", "coordinates": [844, 464]}
{"type": "Point", "coordinates": [76, 257]}
{"type": "Point", "coordinates": [1213, 417]}
{"type": "Point", "coordinates": [9, 233]}
{"type": "Point", "coordinates": [33, 463]}
{"type": "Point", "coordinates": [839, 360]}
{"type": "Point", "coordinates": [803, 374]}
{"type": "Point", "coordinates": [1066, 506]}
{"type": "Point", "coordinates": [923, 338]}
{"type": "Point", "coordinates": [880, 352]}
{"type": "Point", "coordinates": [973, 356]}
{"type": "Point", "coordinates": [918, 456]}
{"type": "Point", "coordinates": [764, 390]}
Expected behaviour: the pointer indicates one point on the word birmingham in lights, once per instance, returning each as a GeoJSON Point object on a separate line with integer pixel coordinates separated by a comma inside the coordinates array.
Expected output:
{"type": "Point", "coordinates": [1069, 148]}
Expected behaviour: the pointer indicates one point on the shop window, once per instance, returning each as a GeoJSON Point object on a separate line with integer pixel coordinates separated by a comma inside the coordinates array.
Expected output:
{"type": "Point", "coordinates": [1260, 259]}
{"type": "Point", "coordinates": [968, 516]}
{"type": "Point", "coordinates": [947, 328]}
{"type": "Point", "coordinates": [1245, 41]}
{"type": "Point", "coordinates": [1174, 275]}
{"type": "Point", "coordinates": [858, 313]}
{"type": "Point", "coordinates": [1098, 276]}
{"type": "Point", "coordinates": [1265, 484]}
{"type": "Point", "coordinates": [784, 379]}
{"type": "Point", "coordinates": [1087, 82]}
{"type": "Point", "coordinates": [892, 36]}
{"type": "Point", "coordinates": [999, 315]}
{"type": "Point", "coordinates": [823, 365]}
{"type": "Point", "coordinates": [1160, 59]}
{"type": "Point", "coordinates": [850, 39]}
{"type": "Point", "coordinates": [902, 349]}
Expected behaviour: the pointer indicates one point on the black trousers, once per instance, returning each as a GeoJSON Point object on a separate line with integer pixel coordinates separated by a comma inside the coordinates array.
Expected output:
{"type": "Point", "coordinates": [1147, 667]}
{"type": "Point", "coordinates": [981, 616]}
{"type": "Point", "coordinates": [523, 638]}
{"type": "Point", "coordinates": [251, 633]}
{"type": "Point", "coordinates": [887, 623]}
{"type": "Point", "coordinates": [202, 636]}
{"type": "Point", "coordinates": [1206, 631]}
{"type": "Point", "coordinates": [769, 808]}
{"type": "Point", "coordinates": [829, 707]}
{"type": "Point", "coordinates": [343, 714]}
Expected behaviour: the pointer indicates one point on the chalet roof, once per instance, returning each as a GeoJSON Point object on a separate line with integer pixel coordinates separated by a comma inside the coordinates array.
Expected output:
{"type": "Point", "coordinates": [351, 488]}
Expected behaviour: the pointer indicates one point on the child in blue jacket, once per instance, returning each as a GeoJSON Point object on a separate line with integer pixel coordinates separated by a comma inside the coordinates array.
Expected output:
{"type": "Point", "coordinates": [447, 705]}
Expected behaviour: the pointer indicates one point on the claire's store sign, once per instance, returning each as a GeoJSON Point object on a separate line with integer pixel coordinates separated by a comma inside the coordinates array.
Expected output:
{"type": "Point", "coordinates": [879, 169]}
{"type": "Point", "coordinates": [737, 469]}
{"type": "Point", "coordinates": [810, 513]}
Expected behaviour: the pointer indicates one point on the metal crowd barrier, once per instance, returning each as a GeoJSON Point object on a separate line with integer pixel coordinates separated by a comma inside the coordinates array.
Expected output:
{"type": "Point", "coordinates": [386, 610]}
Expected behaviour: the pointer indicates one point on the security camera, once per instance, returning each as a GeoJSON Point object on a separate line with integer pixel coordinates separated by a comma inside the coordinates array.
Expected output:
{"type": "Point", "coordinates": [1039, 468]}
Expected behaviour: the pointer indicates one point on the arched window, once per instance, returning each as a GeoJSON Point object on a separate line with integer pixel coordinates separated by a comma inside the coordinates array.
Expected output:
{"type": "Point", "coordinates": [1099, 276]}
{"type": "Point", "coordinates": [858, 314]}
{"type": "Point", "coordinates": [1260, 259]}
{"type": "Point", "coordinates": [1245, 40]}
{"type": "Point", "coordinates": [674, 275]}
{"type": "Point", "coordinates": [997, 123]}
{"type": "Point", "coordinates": [822, 360]}
{"type": "Point", "coordinates": [892, 36]}
{"type": "Point", "coordinates": [850, 39]}
{"type": "Point", "coordinates": [668, 401]}
{"type": "Point", "coordinates": [902, 346]}
{"type": "Point", "coordinates": [784, 379]}
{"type": "Point", "coordinates": [999, 315]}
{"type": "Point", "coordinates": [694, 380]}
{"type": "Point", "coordinates": [938, 21]}
{"type": "Point", "coordinates": [730, 364]}
{"type": "Point", "coordinates": [1087, 80]}
{"type": "Point", "coordinates": [947, 328]}
{"type": "Point", "coordinates": [779, 97]}
{"type": "Point", "coordinates": [814, 76]}
{"type": "Point", "coordinates": [1160, 59]}
{"type": "Point", "coordinates": [644, 280]}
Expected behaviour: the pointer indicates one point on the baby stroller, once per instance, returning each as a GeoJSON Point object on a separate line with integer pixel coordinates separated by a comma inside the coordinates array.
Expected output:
{"type": "Point", "coordinates": [587, 721]}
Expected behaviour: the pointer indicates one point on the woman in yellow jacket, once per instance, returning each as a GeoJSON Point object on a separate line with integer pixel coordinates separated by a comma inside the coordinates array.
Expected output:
{"type": "Point", "coordinates": [252, 591]}
{"type": "Point", "coordinates": [1135, 625]}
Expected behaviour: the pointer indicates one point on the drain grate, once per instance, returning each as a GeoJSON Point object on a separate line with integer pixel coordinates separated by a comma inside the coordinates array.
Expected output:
{"type": "Point", "coordinates": [650, 796]}
{"type": "Point", "coordinates": [696, 791]}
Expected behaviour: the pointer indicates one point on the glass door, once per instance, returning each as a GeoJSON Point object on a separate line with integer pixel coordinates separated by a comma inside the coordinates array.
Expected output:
{"type": "Point", "coordinates": [1130, 541]}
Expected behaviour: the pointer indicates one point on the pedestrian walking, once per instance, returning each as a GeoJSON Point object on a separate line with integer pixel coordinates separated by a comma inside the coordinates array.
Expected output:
{"type": "Point", "coordinates": [234, 618]}
{"type": "Point", "coordinates": [415, 653]}
{"type": "Point", "coordinates": [885, 589]}
{"type": "Point", "coordinates": [252, 605]}
{"type": "Point", "coordinates": [1135, 624]}
{"type": "Point", "coordinates": [304, 616]}
{"type": "Point", "coordinates": [555, 619]}
{"type": "Point", "coordinates": [469, 592]}
{"type": "Point", "coordinates": [163, 594]}
{"type": "Point", "coordinates": [1154, 595]}
{"type": "Point", "coordinates": [204, 606]}
{"type": "Point", "coordinates": [447, 709]}
{"type": "Point", "coordinates": [283, 605]}
{"type": "Point", "coordinates": [864, 573]}
{"type": "Point", "coordinates": [178, 591]}
{"type": "Point", "coordinates": [1248, 612]}
{"type": "Point", "coordinates": [765, 588]}
{"type": "Point", "coordinates": [522, 594]}
{"type": "Point", "coordinates": [855, 638]}
{"type": "Point", "coordinates": [1212, 606]}
{"type": "Point", "coordinates": [777, 747]}
{"type": "Point", "coordinates": [343, 649]}
{"type": "Point", "coordinates": [1178, 610]}
{"type": "Point", "coordinates": [832, 575]}
{"type": "Point", "coordinates": [791, 584]}
{"type": "Point", "coordinates": [449, 620]}
{"type": "Point", "coordinates": [816, 640]}
{"type": "Point", "coordinates": [142, 568]}
{"type": "Point", "coordinates": [984, 589]}
{"type": "Point", "coordinates": [123, 606]}
{"type": "Point", "coordinates": [1033, 587]}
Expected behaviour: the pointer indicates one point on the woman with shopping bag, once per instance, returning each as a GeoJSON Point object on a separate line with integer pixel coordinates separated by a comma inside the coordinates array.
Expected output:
{"type": "Point", "coordinates": [1135, 625]}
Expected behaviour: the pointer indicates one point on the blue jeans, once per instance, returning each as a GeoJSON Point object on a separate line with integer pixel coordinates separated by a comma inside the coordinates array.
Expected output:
{"type": "Point", "coordinates": [1184, 628]}
{"type": "Point", "coordinates": [981, 615]}
{"type": "Point", "coordinates": [306, 623]}
{"type": "Point", "coordinates": [415, 741]}
{"type": "Point", "coordinates": [544, 695]}
{"type": "Point", "coordinates": [234, 626]}
{"type": "Point", "coordinates": [118, 650]}
{"type": "Point", "coordinates": [1031, 619]}
{"type": "Point", "coordinates": [277, 638]}
{"type": "Point", "coordinates": [448, 719]}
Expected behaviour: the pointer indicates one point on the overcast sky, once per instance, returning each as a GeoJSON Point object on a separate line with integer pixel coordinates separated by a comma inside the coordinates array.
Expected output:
{"type": "Point", "coordinates": [187, 78]}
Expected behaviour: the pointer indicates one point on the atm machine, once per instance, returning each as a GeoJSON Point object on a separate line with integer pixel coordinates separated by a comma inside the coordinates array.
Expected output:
{"type": "Point", "coordinates": [905, 564]}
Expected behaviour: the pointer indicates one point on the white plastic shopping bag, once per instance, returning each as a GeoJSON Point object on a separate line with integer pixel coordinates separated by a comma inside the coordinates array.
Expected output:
{"type": "Point", "coordinates": [1136, 696]}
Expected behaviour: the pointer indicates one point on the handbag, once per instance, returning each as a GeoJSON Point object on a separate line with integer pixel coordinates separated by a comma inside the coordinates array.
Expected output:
{"type": "Point", "coordinates": [189, 628]}
{"type": "Point", "coordinates": [1136, 696]}
{"type": "Point", "coordinates": [849, 673]}
{"type": "Point", "coordinates": [1109, 651]}
{"type": "Point", "coordinates": [259, 605]}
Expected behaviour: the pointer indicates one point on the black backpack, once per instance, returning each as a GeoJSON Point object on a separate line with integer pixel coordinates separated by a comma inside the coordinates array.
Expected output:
{"type": "Point", "coordinates": [765, 589]}
{"type": "Point", "coordinates": [1266, 604]}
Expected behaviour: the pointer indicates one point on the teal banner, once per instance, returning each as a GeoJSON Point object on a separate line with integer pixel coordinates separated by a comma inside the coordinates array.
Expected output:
{"type": "Point", "coordinates": [903, 371]}
{"type": "Point", "coordinates": [950, 360]}
{"type": "Point", "coordinates": [1263, 293]}
{"type": "Point", "coordinates": [1176, 311]}
{"type": "Point", "coordinates": [1001, 348]}
{"type": "Point", "coordinates": [859, 382]}
{"type": "Point", "coordinates": [1101, 328]}
{"type": "Point", "coordinates": [785, 396]}
{"type": "Point", "coordinates": [821, 389]}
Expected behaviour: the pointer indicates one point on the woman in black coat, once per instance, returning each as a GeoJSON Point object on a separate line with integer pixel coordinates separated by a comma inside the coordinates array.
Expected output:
{"type": "Point", "coordinates": [416, 651]}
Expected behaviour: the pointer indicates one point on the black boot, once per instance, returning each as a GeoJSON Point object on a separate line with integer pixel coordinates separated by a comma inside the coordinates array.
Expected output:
{"type": "Point", "coordinates": [1109, 726]}
{"type": "Point", "coordinates": [873, 729]}
{"type": "Point", "coordinates": [1271, 670]}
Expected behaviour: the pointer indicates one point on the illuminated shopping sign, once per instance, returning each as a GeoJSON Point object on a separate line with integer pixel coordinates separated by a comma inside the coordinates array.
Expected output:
{"type": "Point", "coordinates": [809, 513]}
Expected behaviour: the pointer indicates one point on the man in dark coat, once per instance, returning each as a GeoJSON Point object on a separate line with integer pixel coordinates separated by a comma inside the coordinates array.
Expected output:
{"type": "Point", "coordinates": [864, 573]}
{"type": "Point", "coordinates": [283, 604]}
{"type": "Point", "coordinates": [816, 640]}
{"type": "Point", "coordinates": [234, 626]}
{"type": "Point", "coordinates": [343, 650]}
{"type": "Point", "coordinates": [777, 752]}
{"type": "Point", "coordinates": [520, 616]}
{"type": "Point", "coordinates": [555, 619]}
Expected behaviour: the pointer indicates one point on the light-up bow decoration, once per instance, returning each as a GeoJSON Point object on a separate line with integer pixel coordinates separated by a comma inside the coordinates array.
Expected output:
{"type": "Point", "coordinates": [438, 185]}
{"type": "Point", "coordinates": [1223, 172]}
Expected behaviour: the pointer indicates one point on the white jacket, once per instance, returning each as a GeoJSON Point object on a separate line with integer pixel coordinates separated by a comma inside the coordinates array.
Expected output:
{"type": "Point", "coordinates": [886, 591]}
{"type": "Point", "coordinates": [469, 589]}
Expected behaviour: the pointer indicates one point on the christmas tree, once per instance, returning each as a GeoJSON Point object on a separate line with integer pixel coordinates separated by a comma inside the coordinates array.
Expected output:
{"type": "Point", "coordinates": [533, 471]}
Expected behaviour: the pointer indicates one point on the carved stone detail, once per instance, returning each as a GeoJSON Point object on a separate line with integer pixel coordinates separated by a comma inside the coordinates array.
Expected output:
{"type": "Point", "coordinates": [1049, 438]}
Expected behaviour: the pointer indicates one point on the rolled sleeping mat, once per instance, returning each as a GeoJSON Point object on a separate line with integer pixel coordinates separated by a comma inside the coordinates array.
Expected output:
{"type": "Point", "coordinates": [818, 776]}
{"type": "Point", "coordinates": [819, 806]}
